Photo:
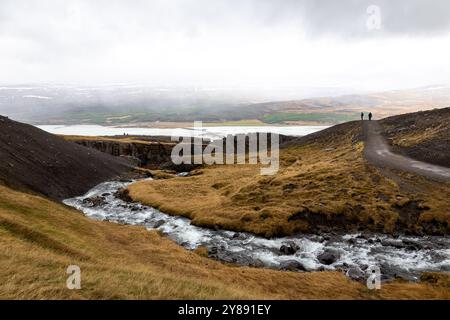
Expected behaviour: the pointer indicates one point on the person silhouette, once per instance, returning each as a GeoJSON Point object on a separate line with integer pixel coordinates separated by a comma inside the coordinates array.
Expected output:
{"type": "Point", "coordinates": [362, 115]}
{"type": "Point", "coordinates": [370, 115]}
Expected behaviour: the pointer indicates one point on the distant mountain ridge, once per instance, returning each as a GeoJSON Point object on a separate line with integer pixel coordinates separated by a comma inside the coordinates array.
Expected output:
{"type": "Point", "coordinates": [125, 105]}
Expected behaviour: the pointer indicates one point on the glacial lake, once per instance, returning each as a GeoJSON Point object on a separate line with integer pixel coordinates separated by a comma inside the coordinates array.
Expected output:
{"type": "Point", "coordinates": [205, 132]}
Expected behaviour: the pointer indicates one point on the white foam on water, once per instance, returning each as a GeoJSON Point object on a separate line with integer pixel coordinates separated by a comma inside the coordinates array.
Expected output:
{"type": "Point", "coordinates": [246, 248]}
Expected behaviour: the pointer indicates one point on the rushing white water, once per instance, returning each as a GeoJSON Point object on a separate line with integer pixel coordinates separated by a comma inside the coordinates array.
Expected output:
{"type": "Point", "coordinates": [205, 132]}
{"type": "Point", "coordinates": [394, 256]}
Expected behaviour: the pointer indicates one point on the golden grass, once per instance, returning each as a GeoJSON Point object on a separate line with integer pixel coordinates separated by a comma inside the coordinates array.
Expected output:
{"type": "Point", "coordinates": [327, 179]}
{"type": "Point", "coordinates": [40, 238]}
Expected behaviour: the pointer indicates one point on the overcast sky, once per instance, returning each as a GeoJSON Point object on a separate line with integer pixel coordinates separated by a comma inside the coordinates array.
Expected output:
{"type": "Point", "coordinates": [226, 43]}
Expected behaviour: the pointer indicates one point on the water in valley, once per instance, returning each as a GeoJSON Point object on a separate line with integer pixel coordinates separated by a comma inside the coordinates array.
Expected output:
{"type": "Point", "coordinates": [206, 132]}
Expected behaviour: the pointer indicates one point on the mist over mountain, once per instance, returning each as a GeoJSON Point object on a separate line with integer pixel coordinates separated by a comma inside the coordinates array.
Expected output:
{"type": "Point", "coordinates": [127, 104]}
{"type": "Point", "coordinates": [48, 103]}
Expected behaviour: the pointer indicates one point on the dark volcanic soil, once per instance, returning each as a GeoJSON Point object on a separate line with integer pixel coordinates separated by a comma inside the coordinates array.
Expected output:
{"type": "Point", "coordinates": [433, 124]}
{"type": "Point", "coordinates": [376, 150]}
{"type": "Point", "coordinates": [326, 136]}
{"type": "Point", "coordinates": [35, 160]}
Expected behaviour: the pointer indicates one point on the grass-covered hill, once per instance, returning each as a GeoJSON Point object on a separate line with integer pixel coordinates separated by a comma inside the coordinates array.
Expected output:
{"type": "Point", "coordinates": [324, 183]}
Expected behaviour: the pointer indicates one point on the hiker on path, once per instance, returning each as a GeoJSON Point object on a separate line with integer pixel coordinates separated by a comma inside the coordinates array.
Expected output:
{"type": "Point", "coordinates": [370, 115]}
{"type": "Point", "coordinates": [362, 115]}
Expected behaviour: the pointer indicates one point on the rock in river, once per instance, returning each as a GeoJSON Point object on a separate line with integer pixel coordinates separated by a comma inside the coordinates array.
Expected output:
{"type": "Point", "coordinates": [329, 256]}
{"type": "Point", "coordinates": [399, 244]}
{"type": "Point", "coordinates": [292, 265]}
{"type": "Point", "coordinates": [355, 273]}
{"type": "Point", "coordinates": [95, 201]}
{"type": "Point", "coordinates": [289, 248]}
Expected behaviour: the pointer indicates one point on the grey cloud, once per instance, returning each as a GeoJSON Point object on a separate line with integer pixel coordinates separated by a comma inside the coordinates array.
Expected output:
{"type": "Point", "coordinates": [347, 18]}
{"type": "Point", "coordinates": [79, 35]}
{"type": "Point", "coordinates": [115, 19]}
{"type": "Point", "coordinates": [400, 17]}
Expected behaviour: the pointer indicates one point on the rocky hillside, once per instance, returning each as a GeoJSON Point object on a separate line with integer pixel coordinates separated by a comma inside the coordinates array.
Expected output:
{"type": "Point", "coordinates": [147, 154]}
{"type": "Point", "coordinates": [422, 135]}
{"type": "Point", "coordinates": [34, 160]}
{"type": "Point", "coordinates": [147, 151]}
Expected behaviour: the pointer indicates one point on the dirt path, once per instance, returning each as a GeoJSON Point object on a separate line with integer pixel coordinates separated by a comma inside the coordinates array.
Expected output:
{"type": "Point", "coordinates": [377, 152]}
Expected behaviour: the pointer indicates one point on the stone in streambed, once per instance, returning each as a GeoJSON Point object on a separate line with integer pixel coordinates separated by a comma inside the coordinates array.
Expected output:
{"type": "Point", "coordinates": [292, 265]}
{"type": "Point", "coordinates": [238, 236]}
{"type": "Point", "coordinates": [158, 223]}
{"type": "Point", "coordinates": [412, 244]}
{"type": "Point", "coordinates": [329, 256]}
{"type": "Point", "coordinates": [123, 194]}
{"type": "Point", "coordinates": [391, 272]}
{"type": "Point", "coordinates": [355, 273]}
{"type": "Point", "coordinates": [95, 201]}
{"type": "Point", "coordinates": [393, 243]}
{"type": "Point", "coordinates": [289, 248]}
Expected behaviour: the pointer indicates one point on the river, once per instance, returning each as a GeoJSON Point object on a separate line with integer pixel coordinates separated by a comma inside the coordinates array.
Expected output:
{"type": "Point", "coordinates": [405, 256]}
